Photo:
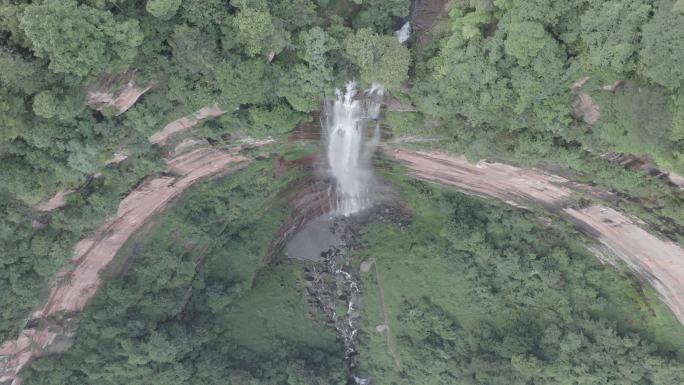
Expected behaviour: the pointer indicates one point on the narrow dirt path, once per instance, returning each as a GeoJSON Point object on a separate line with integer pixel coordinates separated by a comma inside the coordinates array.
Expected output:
{"type": "Point", "coordinates": [659, 262]}
{"type": "Point", "coordinates": [388, 330]}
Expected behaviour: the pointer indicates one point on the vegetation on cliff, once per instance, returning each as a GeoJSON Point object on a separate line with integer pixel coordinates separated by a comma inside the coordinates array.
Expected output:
{"type": "Point", "coordinates": [486, 294]}
{"type": "Point", "coordinates": [471, 292]}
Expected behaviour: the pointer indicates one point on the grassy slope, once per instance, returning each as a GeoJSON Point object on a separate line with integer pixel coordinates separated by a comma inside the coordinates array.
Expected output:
{"type": "Point", "coordinates": [191, 299]}
{"type": "Point", "coordinates": [276, 310]}
{"type": "Point", "coordinates": [416, 264]}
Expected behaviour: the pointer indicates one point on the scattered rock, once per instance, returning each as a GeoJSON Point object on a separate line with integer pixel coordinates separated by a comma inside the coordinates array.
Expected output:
{"type": "Point", "coordinates": [578, 84]}
{"type": "Point", "coordinates": [118, 157]}
{"type": "Point", "coordinates": [332, 288]}
{"type": "Point", "coordinates": [394, 105]}
{"type": "Point", "coordinates": [583, 108]}
{"type": "Point", "coordinates": [100, 94]}
{"type": "Point", "coordinates": [676, 179]}
{"type": "Point", "coordinates": [56, 201]}
{"type": "Point", "coordinates": [615, 86]}
{"type": "Point", "coordinates": [366, 266]}
{"type": "Point", "coordinates": [382, 328]}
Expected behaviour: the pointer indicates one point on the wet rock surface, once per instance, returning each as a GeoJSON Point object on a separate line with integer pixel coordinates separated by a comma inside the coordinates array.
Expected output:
{"type": "Point", "coordinates": [334, 288]}
{"type": "Point", "coordinates": [336, 292]}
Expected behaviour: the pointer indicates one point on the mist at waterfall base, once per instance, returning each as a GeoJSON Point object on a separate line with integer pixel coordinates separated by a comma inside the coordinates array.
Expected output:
{"type": "Point", "coordinates": [350, 146]}
{"type": "Point", "coordinates": [351, 132]}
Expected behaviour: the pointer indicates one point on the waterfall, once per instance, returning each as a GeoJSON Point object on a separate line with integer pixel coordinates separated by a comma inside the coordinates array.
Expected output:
{"type": "Point", "coordinates": [403, 33]}
{"type": "Point", "coordinates": [349, 147]}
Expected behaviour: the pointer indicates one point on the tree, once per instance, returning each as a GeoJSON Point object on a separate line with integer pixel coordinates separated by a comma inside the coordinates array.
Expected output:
{"type": "Point", "coordinates": [78, 39]}
{"type": "Point", "coordinates": [662, 57]}
{"type": "Point", "coordinates": [257, 32]}
{"type": "Point", "coordinates": [678, 6]}
{"type": "Point", "coordinates": [58, 104]}
{"type": "Point", "coordinates": [294, 13]}
{"type": "Point", "coordinates": [525, 39]}
{"type": "Point", "coordinates": [243, 82]}
{"type": "Point", "coordinates": [611, 31]}
{"type": "Point", "coordinates": [18, 73]}
{"type": "Point", "coordinates": [10, 17]}
{"type": "Point", "coordinates": [45, 104]}
{"type": "Point", "coordinates": [380, 59]}
{"type": "Point", "coordinates": [278, 119]}
{"type": "Point", "coordinates": [163, 9]}
{"type": "Point", "coordinates": [193, 50]}
{"type": "Point", "coordinates": [379, 14]}
{"type": "Point", "coordinates": [203, 13]}
{"type": "Point", "coordinates": [15, 122]}
{"type": "Point", "coordinates": [304, 85]}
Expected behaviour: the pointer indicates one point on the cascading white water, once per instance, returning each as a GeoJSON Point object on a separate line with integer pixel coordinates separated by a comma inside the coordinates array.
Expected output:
{"type": "Point", "coordinates": [349, 149]}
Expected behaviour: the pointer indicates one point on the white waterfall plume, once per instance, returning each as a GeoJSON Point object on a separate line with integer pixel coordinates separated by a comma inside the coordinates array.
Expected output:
{"type": "Point", "coordinates": [350, 148]}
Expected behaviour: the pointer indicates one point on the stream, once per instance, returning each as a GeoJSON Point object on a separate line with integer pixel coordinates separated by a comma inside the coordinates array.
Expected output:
{"type": "Point", "coordinates": [351, 132]}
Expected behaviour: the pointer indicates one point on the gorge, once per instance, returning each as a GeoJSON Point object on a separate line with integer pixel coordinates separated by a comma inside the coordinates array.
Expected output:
{"type": "Point", "coordinates": [341, 192]}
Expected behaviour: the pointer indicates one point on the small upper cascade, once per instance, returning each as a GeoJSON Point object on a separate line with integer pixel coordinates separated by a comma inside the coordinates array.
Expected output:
{"type": "Point", "coordinates": [403, 33]}
{"type": "Point", "coordinates": [350, 148]}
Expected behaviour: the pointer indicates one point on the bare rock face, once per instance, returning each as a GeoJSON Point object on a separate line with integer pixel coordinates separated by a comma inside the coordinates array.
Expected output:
{"type": "Point", "coordinates": [77, 283]}
{"type": "Point", "coordinates": [579, 84]}
{"type": "Point", "coordinates": [56, 201]}
{"type": "Point", "coordinates": [645, 164]}
{"type": "Point", "coordinates": [677, 179]}
{"type": "Point", "coordinates": [185, 123]}
{"type": "Point", "coordinates": [583, 108]}
{"type": "Point", "coordinates": [396, 105]}
{"type": "Point", "coordinates": [616, 85]}
{"type": "Point", "coordinates": [118, 157]}
{"type": "Point", "coordinates": [656, 260]}
{"type": "Point", "coordinates": [115, 91]}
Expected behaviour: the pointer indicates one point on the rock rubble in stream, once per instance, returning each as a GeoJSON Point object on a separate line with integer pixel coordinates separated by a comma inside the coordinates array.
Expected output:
{"type": "Point", "coordinates": [331, 287]}
{"type": "Point", "coordinates": [334, 288]}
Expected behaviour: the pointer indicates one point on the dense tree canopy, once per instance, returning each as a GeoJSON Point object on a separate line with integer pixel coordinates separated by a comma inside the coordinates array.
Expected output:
{"type": "Point", "coordinates": [381, 58]}
{"type": "Point", "coordinates": [80, 40]}
{"type": "Point", "coordinates": [510, 65]}
{"type": "Point", "coordinates": [504, 79]}
{"type": "Point", "coordinates": [163, 9]}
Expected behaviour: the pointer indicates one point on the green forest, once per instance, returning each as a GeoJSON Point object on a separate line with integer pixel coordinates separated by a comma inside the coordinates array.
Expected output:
{"type": "Point", "coordinates": [464, 291]}
{"type": "Point", "coordinates": [495, 298]}
{"type": "Point", "coordinates": [492, 298]}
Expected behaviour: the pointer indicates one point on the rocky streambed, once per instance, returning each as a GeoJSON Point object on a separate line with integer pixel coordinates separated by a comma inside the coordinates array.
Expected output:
{"type": "Point", "coordinates": [334, 287]}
